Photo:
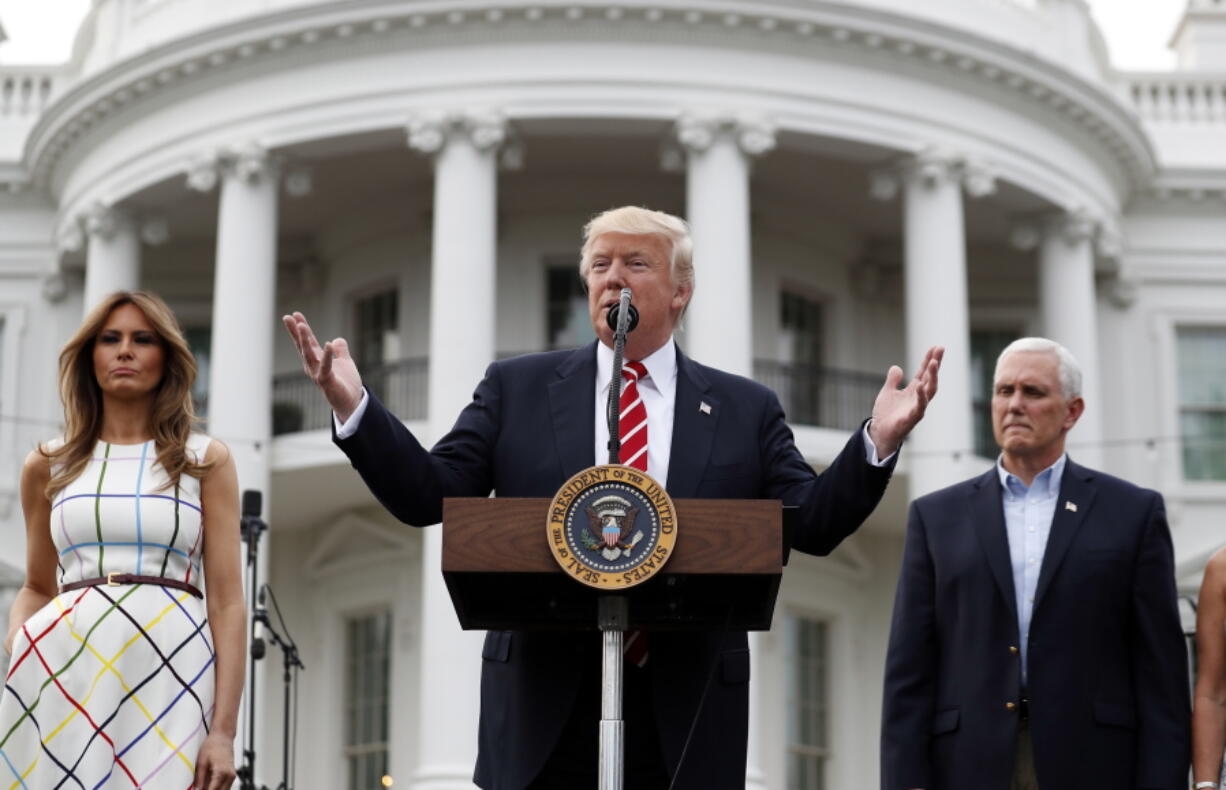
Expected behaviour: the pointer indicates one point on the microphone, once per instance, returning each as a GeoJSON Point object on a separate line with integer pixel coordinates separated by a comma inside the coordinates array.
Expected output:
{"type": "Point", "coordinates": [632, 314]}
{"type": "Point", "coordinates": [252, 502]}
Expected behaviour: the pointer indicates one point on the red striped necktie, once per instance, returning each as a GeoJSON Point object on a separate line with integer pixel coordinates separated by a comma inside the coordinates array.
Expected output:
{"type": "Point", "coordinates": [632, 419]}
{"type": "Point", "coordinates": [632, 429]}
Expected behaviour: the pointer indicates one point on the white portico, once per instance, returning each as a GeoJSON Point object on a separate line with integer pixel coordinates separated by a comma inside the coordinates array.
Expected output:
{"type": "Point", "coordinates": [864, 180]}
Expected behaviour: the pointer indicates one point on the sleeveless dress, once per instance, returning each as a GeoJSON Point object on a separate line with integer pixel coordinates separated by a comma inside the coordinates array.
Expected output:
{"type": "Point", "coordinates": [112, 686]}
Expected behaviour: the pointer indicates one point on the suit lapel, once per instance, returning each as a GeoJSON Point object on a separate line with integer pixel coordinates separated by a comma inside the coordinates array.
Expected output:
{"type": "Point", "coordinates": [988, 516]}
{"type": "Point", "coordinates": [1076, 496]}
{"type": "Point", "coordinates": [696, 413]}
{"type": "Point", "coordinates": [572, 398]}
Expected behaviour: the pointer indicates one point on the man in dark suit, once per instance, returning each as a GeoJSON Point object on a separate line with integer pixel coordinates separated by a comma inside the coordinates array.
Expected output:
{"type": "Point", "coordinates": [536, 420]}
{"type": "Point", "coordinates": [1035, 640]}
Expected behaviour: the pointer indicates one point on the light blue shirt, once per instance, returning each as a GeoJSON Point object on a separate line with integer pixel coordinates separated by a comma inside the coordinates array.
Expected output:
{"type": "Point", "coordinates": [1028, 517]}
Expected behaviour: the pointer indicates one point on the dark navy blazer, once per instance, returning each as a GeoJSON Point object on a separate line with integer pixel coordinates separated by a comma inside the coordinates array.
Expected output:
{"type": "Point", "coordinates": [528, 429]}
{"type": "Point", "coordinates": [1107, 677]}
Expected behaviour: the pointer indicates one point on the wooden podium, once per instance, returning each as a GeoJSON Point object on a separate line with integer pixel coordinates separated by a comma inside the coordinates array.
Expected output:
{"type": "Point", "coordinates": [724, 572]}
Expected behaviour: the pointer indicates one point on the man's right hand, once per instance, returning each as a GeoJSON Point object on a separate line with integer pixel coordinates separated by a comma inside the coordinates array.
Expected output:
{"type": "Point", "coordinates": [329, 366]}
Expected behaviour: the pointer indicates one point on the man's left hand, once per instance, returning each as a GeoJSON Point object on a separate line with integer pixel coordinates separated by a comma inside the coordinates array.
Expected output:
{"type": "Point", "coordinates": [896, 411]}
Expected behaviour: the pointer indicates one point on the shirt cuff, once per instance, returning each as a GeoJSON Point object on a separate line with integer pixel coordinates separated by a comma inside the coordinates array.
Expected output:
{"type": "Point", "coordinates": [350, 426]}
{"type": "Point", "coordinates": [870, 449]}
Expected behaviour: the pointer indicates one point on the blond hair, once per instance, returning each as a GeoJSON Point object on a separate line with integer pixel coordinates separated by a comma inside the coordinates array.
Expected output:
{"type": "Point", "coordinates": [638, 221]}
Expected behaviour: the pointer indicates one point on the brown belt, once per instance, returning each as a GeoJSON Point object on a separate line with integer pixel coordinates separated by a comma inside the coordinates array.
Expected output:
{"type": "Point", "coordinates": [116, 579]}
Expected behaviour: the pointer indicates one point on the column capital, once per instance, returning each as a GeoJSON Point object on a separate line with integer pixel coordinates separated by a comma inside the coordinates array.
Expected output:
{"type": "Point", "coordinates": [299, 180]}
{"type": "Point", "coordinates": [251, 162]}
{"type": "Point", "coordinates": [71, 237]}
{"type": "Point", "coordinates": [104, 221]}
{"type": "Point", "coordinates": [55, 287]}
{"type": "Point", "coordinates": [1072, 227]}
{"type": "Point", "coordinates": [930, 168]}
{"type": "Point", "coordinates": [202, 173]}
{"type": "Point", "coordinates": [485, 129]}
{"type": "Point", "coordinates": [697, 132]}
{"type": "Point", "coordinates": [155, 230]}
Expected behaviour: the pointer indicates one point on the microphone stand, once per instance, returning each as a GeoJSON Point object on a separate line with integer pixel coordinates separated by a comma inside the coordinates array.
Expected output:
{"type": "Point", "coordinates": [290, 662]}
{"type": "Point", "coordinates": [251, 527]}
{"type": "Point", "coordinates": [613, 611]}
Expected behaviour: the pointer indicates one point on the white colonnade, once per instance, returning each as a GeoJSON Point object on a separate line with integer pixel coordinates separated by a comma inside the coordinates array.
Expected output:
{"type": "Point", "coordinates": [462, 310]}
{"type": "Point", "coordinates": [112, 260]}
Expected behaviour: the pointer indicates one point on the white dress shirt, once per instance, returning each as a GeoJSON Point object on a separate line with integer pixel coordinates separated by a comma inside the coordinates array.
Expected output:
{"type": "Point", "coordinates": [658, 391]}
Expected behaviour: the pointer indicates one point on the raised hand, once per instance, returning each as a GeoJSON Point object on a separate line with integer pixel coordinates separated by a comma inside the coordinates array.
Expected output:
{"type": "Point", "coordinates": [896, 411]}
{"type": "Point", "coordinates": [329, 366]}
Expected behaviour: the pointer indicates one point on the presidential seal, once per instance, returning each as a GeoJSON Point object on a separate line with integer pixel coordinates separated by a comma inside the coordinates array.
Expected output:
{"type": "Point", "coordinates": [612, 527]}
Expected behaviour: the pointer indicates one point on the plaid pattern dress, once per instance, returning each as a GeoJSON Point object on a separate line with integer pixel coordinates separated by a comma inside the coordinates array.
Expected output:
{"type": "Point", "coordinates": [112, 686]}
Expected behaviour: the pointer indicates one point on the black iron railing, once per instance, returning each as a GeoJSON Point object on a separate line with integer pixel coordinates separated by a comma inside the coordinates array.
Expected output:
{"type": "Point", "coordinates": [824, 397]}
{"type": "Point", "coordinates": [297, 405]}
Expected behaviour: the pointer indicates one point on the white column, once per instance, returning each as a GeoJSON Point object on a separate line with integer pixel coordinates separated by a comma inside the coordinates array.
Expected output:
{"type": "Point", "coordinates": [1069, 310]}
{"type": "Point", "coordinates": [462, 307]}
{"type": "Point", "coordinates": [719, 321]}
{"type": "Point", "coordinates": [937, 309]}
{"type": "Point", "coordinates": [240, 375]}
{"type": "Point", "coordinates": [112, 261]}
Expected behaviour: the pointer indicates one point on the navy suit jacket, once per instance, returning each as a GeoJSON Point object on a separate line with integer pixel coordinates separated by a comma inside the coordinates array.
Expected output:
{"type": "Point", "coordinates": [1107, 671]}
{"type": "Point", "coordinates": [529, 428]}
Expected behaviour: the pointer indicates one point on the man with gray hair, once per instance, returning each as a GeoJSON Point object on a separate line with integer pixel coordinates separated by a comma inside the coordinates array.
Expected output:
{"type": "Point", "coordinates": [1035, 641]}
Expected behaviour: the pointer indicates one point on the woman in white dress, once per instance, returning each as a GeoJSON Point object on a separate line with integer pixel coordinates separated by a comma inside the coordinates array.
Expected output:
{"type": "Point", "coordinates": [123, 674]}
{"type": "Point", "coordinates": [1209, 700]}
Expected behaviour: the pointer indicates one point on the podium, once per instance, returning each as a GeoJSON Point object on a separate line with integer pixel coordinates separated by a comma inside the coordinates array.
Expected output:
{"type": "Point", "coordinates": [724, 572]}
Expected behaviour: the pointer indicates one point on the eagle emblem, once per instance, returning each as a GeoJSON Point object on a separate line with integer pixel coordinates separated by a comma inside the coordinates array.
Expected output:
{"type": "Point", "coordinates": [610, 521]}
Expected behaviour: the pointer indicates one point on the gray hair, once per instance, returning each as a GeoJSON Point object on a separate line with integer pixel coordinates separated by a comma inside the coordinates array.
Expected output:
{"type": "Point", "coordinates": [1069, 370]}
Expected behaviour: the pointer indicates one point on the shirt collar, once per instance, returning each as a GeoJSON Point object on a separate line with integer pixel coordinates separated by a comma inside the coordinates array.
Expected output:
{"type": "Point", "coordinates": [1046, 484]}
{"type": "Point", "coordinates": [661, 367]}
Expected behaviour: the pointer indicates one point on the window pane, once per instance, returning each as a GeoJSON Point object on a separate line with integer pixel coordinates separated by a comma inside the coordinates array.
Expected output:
{"type": "Point", "coordinates": [367, 674]}
{"type": "Point", "coordinates": [569, 324]}
{"type": "Point", "coordinates": [808, 704]}
{"type": "Point", "coordinates": [800, 343]}
{"type": "Point", "coordinates": [376, 329]}
{"type": "Point", "coordinates": [1202, 366]}
{"type": "Point", "coordinates": [1204, 445]}
{"type": "Point", "coordinates": [986, 345]}
{"type": "Point", "coordinates": [1202, 398]}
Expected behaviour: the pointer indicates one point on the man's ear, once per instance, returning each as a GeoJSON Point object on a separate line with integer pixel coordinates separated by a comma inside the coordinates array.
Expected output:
{"type": "Point", "coordinates": [1076, 407]}
{"type": "Point", "coordinates": [682, 295]}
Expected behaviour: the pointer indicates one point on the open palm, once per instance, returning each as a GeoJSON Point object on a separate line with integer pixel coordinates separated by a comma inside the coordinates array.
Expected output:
{"type": "Point", "coordinates": [896, 411]}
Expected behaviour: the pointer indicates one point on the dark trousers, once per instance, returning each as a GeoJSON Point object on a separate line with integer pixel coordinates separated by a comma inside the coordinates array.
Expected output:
{"type": "Point", "coordinates": [575, 760]}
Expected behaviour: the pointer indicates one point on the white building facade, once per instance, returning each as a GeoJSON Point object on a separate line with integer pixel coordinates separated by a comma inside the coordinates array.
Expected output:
{"type": "Point", "coordinates": [864, 179]}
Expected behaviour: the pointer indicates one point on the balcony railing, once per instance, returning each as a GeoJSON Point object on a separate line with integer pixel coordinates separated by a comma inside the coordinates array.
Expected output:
{"type": "Point", "coordinates": [810, 395]}
{"type": "Point", "coordinates": [297, 404]}
{"type": "Point", "coordinates": [25, 91]}
{"type": "Point", "coordinates": [825, 397]}
{"type": "Point", "coordinates": [1179, 98]}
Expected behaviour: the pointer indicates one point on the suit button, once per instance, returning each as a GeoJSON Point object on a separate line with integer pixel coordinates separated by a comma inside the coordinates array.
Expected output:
{"type": "Point", "coordinates": [1010, 706]}
{"type": "Point", "coordinates": [1013, 651]}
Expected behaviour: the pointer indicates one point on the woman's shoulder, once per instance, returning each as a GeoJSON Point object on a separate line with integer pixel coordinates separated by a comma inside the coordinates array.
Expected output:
{"type": "Point", "coordinates": [198, 445]}
{"type": "Point", "coordinates": [1215, 568]}
{"type": "Point", "coordinates": [50, 446]}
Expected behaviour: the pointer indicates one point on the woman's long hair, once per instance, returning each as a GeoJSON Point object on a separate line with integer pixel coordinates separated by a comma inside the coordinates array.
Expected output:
{"type": "Point", "coordinates": [173, 416]}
